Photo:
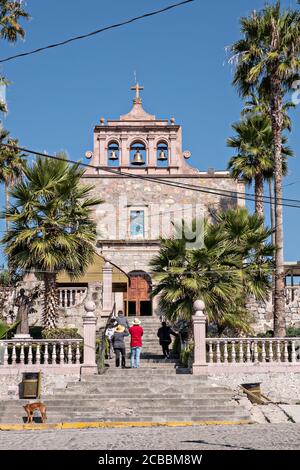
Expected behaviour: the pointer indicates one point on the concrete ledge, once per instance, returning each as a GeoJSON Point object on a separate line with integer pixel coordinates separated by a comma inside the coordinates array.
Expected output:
{"type": "Point", "coordinates": [49, 368]}
{"type": "Point", "coordinates": [258, 367]}
{"type": "Point", "coordinates": [109, 424]}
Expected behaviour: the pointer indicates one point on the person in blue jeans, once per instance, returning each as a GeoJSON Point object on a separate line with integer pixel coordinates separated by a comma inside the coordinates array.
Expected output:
{"type": "Point", "coordinates": [136, 333]}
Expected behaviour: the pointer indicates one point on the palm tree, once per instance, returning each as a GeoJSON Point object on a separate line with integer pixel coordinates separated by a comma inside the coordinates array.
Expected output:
{"type": "Point", "coordinates": [5, 328]}
{"type": "Point", "coordinates": [259, 104]}
{"type": "Point", "coordinates": [10, 14]}
{"type": "Point", "coordinates": [254, 159]}
{"type": "Point", "coordinates": [267, 59]}
{"type": "Point", "coordinates": [234, 263]}
{"type": "Point", "coordinates": [12, 164]}
{"type": "Point", "coordinates": [51, 229]}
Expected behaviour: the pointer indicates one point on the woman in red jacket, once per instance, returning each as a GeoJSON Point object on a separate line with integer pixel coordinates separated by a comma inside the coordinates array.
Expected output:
{"type": "Point", "coordinates": [136, 333]}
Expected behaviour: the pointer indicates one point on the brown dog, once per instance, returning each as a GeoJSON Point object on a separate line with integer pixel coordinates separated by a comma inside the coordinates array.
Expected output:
{"type": "Point", "coordinates": [35, 406]}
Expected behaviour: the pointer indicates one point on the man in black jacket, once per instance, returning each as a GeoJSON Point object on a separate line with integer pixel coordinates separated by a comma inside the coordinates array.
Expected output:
{"type": "Point", "coordinates": [164, 333]}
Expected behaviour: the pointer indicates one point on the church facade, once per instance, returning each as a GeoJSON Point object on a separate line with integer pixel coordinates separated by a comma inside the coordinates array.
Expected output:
{"type": "Point", "coordinates": [139, 168]}
{"type": "Point", "coordinates": [140, 171]}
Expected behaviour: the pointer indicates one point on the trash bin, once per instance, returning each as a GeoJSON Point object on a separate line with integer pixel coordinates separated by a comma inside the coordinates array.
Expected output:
{"type": "Point", "coordinates": [31, 384]}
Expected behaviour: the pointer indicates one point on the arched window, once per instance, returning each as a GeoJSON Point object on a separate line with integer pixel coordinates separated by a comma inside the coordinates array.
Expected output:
{"type": "Point", "coordinates": [113, 154]}
{"type": "Point", "coordinates": [162, 154]}
{"type": "Point", "coordinates": [138, 154]}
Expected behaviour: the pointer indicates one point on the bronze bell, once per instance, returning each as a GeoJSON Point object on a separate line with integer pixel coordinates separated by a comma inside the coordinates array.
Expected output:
{"type": "Point", "coordinates": [162, 156]}
{"type": "Point", "coordinates": [138, 158]}
{"type": "Point", "coordinates": [113, 156]}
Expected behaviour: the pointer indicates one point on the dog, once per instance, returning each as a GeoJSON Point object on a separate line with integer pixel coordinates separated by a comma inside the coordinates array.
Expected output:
{"type": "Point", "coordinates": [35, 406]}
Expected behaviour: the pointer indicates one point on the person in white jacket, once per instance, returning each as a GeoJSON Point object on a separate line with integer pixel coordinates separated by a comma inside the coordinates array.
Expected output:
{"type": "Point", "coordinates": [109, 333]}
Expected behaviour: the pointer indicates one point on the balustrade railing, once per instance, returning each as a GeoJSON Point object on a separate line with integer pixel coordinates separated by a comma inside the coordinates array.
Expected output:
{"type": "Point", "coordinates": [252, 350]}
{"type": "Point", "coordinates": [46, 352]}
{"type": "Point", "coordinates": [71, 296]}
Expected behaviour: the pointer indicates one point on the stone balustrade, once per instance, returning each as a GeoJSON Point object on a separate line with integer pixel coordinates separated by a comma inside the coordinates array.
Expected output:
{"type": "Point", "coordinates": [252, 350]}
{"type": "Point", "coordinates": [54, 352]}
{"type": "Point", "coordinates": [71, 296]}
{"type": "Point", "coordinates": [232, 355]}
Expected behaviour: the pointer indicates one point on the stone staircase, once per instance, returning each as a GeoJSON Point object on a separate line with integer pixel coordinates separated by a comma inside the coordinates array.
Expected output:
{"type": "Point", "coordinates": [157, 392]}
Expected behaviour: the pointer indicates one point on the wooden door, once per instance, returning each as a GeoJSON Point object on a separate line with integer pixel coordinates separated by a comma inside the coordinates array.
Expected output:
{"type": "Point", "coordinates": [138, 295]}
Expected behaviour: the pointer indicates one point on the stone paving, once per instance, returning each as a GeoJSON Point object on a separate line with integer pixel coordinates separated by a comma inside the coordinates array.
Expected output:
{"type": "Point", "coordinates": [247, 437]}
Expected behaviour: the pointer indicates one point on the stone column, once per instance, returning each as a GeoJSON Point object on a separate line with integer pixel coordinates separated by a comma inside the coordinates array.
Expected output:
{"type": "Point", "coordinates": [199, 325]}
{"type": "Point", "coordinates": [96, 153]}
{"type": "Point", "coordinates": [107, 289]}
{"type": "Point", "coordinates": [173, 159]}
{"type": "Point", "coordinates": [124, 151]}
{"type": "Point", "coordinates": [89, 366]}
{"type": "Point", "coordinates": [151, 151]}
{"type": "Point", "coordinates": [103, 159]}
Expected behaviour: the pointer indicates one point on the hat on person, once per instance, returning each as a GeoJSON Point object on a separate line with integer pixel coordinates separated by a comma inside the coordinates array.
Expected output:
{"type": "Point", "coordinates": [120, 329]}
{"type": "Point", "coordinates": [136, 321]}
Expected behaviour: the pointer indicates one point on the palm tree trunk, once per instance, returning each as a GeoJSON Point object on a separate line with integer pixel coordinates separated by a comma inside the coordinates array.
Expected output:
{"type": "Point", "coordinates": [272, 218]}
{"type": "Point", "coordinates": [277, 124]}
{"type": "Point", "coordinates": [6, 203]}
{"type": "Point", "coordinates": [50, 301]}
{"type": "Point", "coordinates": [272, 209]}
{"type": "Point", "coordinates": [259, 193]}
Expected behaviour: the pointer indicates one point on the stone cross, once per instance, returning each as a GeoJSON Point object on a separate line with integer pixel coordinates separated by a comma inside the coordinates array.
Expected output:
{"type": "Point", "coordinates": [137, 89]}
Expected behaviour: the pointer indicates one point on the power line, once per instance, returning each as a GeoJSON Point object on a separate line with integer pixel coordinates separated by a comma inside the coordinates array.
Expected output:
{"type": "Point", "coordinates": [158, 180]}
{"type": "Point", "coordinates": [250, 197]}
{"type": "Point", "coordinates": [98, 31]}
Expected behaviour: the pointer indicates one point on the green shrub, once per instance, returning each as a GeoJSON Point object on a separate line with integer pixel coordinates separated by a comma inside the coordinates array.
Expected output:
{"type": "Point", "coordinates": [61, 333]}
{"type": "Point", "coordinates": [36, 332]}
{"type": "Point", "coordinates": [176, 346]}
{"type": "Point", "coordinates": [186, 356]}
{"type": "Point", "coordinates": [102, 351]}
{"type": "Point", "coordinates": [292, 331]}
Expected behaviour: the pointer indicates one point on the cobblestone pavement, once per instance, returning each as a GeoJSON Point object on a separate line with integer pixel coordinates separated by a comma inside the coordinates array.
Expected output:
{"type": "Point", "coordinates": [248, 437]}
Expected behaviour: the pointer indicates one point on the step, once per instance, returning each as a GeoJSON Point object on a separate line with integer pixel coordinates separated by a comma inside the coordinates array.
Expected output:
{"type": "Point", "coordinates": [170, 402]}
{"type": "Point", "coordinates": [144, 418]}
{"type": "Point", "coordinates": [69, 410]}
{"type": "Point", "coordinates": [184, 400]}
{"type": "Point", "coordinates": [130, 402]}
{"type": "Point", "coordinates": [149, 374]}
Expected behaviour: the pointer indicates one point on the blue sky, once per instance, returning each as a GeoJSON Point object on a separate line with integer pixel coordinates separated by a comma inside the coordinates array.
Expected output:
{"type": "Point", "coordinates": [56, 97]}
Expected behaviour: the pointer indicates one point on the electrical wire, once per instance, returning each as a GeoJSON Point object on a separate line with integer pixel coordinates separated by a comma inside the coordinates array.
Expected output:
{"type": "Point", "coordinates": [98, 31]}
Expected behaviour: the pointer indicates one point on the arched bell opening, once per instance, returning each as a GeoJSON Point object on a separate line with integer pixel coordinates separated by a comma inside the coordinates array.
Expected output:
{"type": "Point", "coordinates": [113, 154]}
{"type": "Point", "coordinates": [138, 154]}
{"type": "Point", "coordinates": [162, 155]}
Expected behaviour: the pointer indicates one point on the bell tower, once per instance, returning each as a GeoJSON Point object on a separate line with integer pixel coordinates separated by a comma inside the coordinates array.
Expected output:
{"type": "Point", "coordinates": [139, 143]}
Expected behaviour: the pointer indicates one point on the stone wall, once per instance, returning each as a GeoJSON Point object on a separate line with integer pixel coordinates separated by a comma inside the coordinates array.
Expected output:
{"type": "Point", "coordinates": [276, 386]}
{"type": "Point", "coordinates": [70, 317]}
{"type": "Point", "coordinates": [10, 384]}
{"type": "Point", "coordinates": [262, 313]}
{"type": "Point", "coordinates": [161, 204]}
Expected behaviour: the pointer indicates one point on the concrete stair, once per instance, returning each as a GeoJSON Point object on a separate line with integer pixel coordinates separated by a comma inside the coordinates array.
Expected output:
{"type": "Point", "coordinates": [159, 391]}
